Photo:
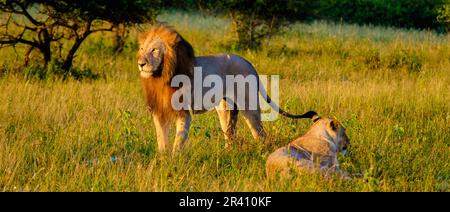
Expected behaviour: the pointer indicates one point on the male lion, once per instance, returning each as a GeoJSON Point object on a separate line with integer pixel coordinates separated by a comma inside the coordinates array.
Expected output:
{"type": "Point", "coordinates": [164, 54]}
{"type": "Point", "coordinates": [316, 150]}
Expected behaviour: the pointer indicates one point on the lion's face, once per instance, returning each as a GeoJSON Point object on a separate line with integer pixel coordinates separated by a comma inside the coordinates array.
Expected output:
{"type": "Point", "coordinates": [340, 135]}
{"type": "Point", "coordinates": [335, 130]}
{"type": "Point", "coordinates": [343, 140]}
{"type": "Point", "coordinates": [150, 58]}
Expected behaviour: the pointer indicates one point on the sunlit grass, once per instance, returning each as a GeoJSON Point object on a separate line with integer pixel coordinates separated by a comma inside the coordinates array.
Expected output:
{"type": "Point", "coordinates": [389, 87]}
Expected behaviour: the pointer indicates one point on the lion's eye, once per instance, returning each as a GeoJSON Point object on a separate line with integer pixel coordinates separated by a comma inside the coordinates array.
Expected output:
{"type": "Point", "coordinates": [155, 52]}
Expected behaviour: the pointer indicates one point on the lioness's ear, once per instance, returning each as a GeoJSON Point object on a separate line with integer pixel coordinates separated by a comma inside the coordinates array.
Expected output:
{"type": "Point", "coordinates": [334, 124]}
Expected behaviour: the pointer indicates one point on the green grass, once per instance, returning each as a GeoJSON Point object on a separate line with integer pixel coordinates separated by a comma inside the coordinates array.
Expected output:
{"type": "Point", "coordinates": [389, 87]}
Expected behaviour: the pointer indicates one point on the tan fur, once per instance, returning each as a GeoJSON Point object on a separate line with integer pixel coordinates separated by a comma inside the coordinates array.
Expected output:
{"type": "Point", "coordinates": [164, 54]}
{"type": "Point", "coordinates": [315, 151]}
{"type": "Point", "coordinates": [176, 56]}
{"type": "Point", "coordinates": [178, 59]}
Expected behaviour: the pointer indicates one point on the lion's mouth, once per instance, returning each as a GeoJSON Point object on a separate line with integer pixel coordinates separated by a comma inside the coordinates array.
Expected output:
{"type": "Point", "coordinates": [154, 73]}
{"type": "Point", "coordinates": [148, 72]}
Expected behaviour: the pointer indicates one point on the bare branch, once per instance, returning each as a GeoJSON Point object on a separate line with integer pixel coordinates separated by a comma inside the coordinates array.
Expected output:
{"type": "Point", "coordinates": [28, 16]}
{"type": "Point", "coordinates": [27, 55]}
{"type": "Point", "coordinates": [23, 26]}
{"type": "Point", "coordinates": [31, 43]}
{"type": "Point", "coordinates": [10, 40]}
{"type": "Point", "coordinates": [7, 22]}
{"type": "Point", "coordinates": [100, 26]}
{"type": "Point", "coordinates": [7, 42]}
{"type": "Point", "coordinates": [60, 23]}
{"type": "Point", "coordinates": [102, 29]}
{"type": "Point", "coordinates": [88, 29]}
{"type": "Point", "coordinates": [57, 38]}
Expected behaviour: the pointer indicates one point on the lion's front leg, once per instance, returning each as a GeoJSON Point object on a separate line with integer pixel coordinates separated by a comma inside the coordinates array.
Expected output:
{"type": "Point", "coordinates": [342, 174]}
{"type": "Point", "coordinates": [162, 132]}
{"type": "Point", "coordinates": [182, 124]}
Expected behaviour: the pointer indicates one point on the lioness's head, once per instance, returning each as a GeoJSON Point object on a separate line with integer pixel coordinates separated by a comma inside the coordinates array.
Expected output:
{"type": "Point", "coordinates": [333, 129]}
{"type": "Point", "coordinates": [163, 53]}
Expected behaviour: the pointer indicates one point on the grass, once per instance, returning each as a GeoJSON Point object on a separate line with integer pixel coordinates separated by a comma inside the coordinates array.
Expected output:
{"type": "Point", "coordinates": [389, 87]}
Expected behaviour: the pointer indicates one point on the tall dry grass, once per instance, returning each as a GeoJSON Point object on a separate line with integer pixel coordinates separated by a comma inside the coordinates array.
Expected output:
{"type": "Point", "coordinates": [389, 87]}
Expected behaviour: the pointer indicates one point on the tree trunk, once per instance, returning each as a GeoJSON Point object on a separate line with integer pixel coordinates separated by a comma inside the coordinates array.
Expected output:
{"type": "Point", "coordinates": [67, 64]}
{"type": "Point", "coordinates": [45, 48]}
{"type": "Point", "coordinates": [27, 55]}
{"type": "Point", "coordinates": [46, 52]}
{"type": "Point", "coordinates": [119, 37]}
{"type": "Point", "coordinates": [47, 56]}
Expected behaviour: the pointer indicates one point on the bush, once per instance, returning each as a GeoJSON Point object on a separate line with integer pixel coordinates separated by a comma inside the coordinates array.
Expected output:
{"type": "Point", "coordinates": [45, 26]}
{"type": "Point", "coordinates": [54, 71]}
{"type": "Point", "coordinates": [250, 31]}
{"type": "Point", "coordinates": [182, 4]}
{"type": "Point", "coordinates": [373, 59]}
{"type": "Point", "coordinates": [421, 14]}
{"type": "Point", "coordinates": [444, 15]}
{"type": "Point", "coordinates": [405, 59]}
{"type": "Point", "coordinates": [35, 72]}
{"type": "Point", "coordinates": [255, 20]}
{"type": "Point", "coordinates": [400, 13]}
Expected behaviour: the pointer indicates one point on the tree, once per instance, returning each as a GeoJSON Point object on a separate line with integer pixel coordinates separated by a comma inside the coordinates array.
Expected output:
{"type": "Point", "coordinates": [399, 13]}
{"type": "Point", "coordinates": [444, 15]}
{"type": "Point", "coordinates": [47, 25]}
{"type": "Point", "coordinates": [254, 20]}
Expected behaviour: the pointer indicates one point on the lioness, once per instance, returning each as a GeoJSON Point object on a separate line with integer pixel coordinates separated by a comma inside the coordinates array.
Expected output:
{"type": "Point", "coordinates": [164, 54]}
{"type": "Point", "coordinates": [316, 150]}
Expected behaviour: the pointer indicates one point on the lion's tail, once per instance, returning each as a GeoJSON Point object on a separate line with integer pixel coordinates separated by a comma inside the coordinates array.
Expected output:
{"type": "Point", "coordinates": [307, 115]}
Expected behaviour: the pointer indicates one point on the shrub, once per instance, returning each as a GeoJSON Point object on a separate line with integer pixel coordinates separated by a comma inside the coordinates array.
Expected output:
{"type": "Point", "coordinates": [400, 13]}
{"type": "Point", "coordinates": [408, 60]}
{"type": "Point", "coordinates": [43, 26]}
{"type": "Point", "coordinates": [372, 59]}
{"type": "Point", "coordinates": [54, 71]}
{"type": "Point", "coordinates": [255, 20]}
{"type": "Point", "coordinates": [444, 15]}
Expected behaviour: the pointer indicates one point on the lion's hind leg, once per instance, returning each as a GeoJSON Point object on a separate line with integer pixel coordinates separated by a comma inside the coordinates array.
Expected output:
{"type": "Point", "coordinates": [228, 119]}
{"type": "Point", "coordinates": [253, 120]}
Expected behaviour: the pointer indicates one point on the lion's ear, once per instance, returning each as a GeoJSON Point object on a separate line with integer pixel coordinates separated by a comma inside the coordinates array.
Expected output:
{"type": "Point", "coordinates": [141, 38]}
{"type": "Point", "coordinates": [334, 124]}
{"type": "Point", "coordinates": [177, 40]}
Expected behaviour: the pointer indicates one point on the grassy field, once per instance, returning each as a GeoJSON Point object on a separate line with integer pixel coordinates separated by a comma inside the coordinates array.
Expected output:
{"type": "Point", "coordinates": [389, 87]}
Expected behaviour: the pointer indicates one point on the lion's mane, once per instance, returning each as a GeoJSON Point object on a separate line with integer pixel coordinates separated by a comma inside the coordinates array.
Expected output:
{"type": "Point", "coordinates": [178, 59]}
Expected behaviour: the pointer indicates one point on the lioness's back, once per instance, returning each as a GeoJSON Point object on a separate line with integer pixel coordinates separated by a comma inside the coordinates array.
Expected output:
{"type": "Point", "coordinates": [283, 159]}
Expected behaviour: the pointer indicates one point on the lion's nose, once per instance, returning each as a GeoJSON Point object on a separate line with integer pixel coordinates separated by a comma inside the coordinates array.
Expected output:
{"type": "Point", "coordinates": [142, 64]}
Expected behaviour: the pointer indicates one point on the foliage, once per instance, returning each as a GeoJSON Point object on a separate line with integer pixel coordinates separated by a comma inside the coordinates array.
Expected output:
{"type": "Point", "coordinates": [99, 136]}
{"type": "Point", "coordinates": [444, 14]}
{"type": "Point", "coordinates": [47, 25]}
{"type": "Point", "coordinates": [257, 19]}
{"type": "Point", "coordinates": [54, 72]}
{"type": "Point", "coordinates": [400, 13]}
